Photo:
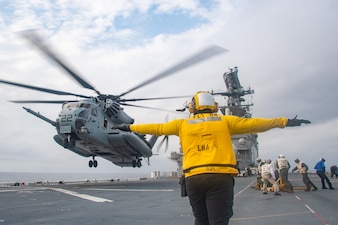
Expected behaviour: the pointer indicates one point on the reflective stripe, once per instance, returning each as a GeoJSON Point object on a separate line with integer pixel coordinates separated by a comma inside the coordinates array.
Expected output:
{"type": "Point", "coordinates": [300, 168]}
{"type": "Point", "coordinates": [266, 169]}
{"type": "Point", "coordinates": [282, 163]}
{"type": "Point", "coordinates": [201, 120]}
{"type": "Point", "coordinates": [208, 165]}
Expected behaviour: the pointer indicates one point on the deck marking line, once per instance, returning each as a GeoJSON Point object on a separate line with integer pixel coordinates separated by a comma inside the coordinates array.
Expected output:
{"type": "Point", "coordinates": [310, 208]}
{"type": "Point", "coordinates": [321, 219]}
{"type": "Point", "coordinates": [23, 189]}
{"type": "Point", "coordinates": [244, 189]}
{"type": "Point", "coordinates": [131, 190]}
{"type": "Point", "coordinates": [269, 216]}
{"type": "Point", "coordinates": [83, 196]}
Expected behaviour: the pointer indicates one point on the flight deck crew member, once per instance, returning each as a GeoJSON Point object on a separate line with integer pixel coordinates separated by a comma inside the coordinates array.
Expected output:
{"type": "Point", "coordinates": [209, 161]}
{"type": "Point", "coordinates": [320, 170]}
{"type": "Point", "coordinates": [269, 176]}
{"type": "Point", "coordinates": [333, 170]}
{"type": "Point", "coordinates": [259, 183]}
{"type": "Point", "coordinates": [302, 169]}
{"type": "Point", "coordinates": [283, 165]}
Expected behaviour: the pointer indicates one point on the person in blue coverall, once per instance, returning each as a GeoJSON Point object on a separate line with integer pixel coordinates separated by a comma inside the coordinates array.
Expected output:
{"type": "Point", "coordinates": [320, 170]}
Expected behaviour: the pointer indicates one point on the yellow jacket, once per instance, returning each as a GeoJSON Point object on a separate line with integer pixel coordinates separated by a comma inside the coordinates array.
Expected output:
{"type": "Point", "coordinates": [206, 139]}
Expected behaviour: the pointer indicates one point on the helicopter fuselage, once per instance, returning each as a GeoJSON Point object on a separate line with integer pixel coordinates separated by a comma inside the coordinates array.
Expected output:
{"type": "Point", "coordinates": [84, 127]}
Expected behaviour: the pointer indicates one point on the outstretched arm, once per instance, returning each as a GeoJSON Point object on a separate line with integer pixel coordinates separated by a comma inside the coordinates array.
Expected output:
{"type": "Point", "coordinates": [169, 128]}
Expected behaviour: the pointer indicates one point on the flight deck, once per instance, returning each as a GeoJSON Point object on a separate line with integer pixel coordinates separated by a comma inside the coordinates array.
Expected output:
{"type": "Point", "coordinates": [158, 201]}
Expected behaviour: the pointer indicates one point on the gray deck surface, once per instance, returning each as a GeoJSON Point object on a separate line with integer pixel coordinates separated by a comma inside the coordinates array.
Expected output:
{"type": "Point", "coordinates": [155, 202]}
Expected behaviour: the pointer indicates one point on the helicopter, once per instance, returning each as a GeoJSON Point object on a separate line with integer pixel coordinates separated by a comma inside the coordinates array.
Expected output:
{"type": "Point", "coordinates": [85, 126]}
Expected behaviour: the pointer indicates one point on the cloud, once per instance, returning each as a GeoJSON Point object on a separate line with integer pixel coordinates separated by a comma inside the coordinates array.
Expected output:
{"type": "Point", "coordinates": [285, 51]}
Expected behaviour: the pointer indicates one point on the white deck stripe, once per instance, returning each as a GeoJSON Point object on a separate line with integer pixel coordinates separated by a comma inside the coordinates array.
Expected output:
{"type": "Point", "coordinates": [310, 208]}
{"type": "Point", "coordinates": [83, 196]}
{"type": "Point", "coordinates": [131, 190]}
{"type": "Point", "coordinates": [241, 191]}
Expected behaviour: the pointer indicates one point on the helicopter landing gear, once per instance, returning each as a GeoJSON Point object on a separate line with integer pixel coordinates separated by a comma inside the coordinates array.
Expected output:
{"type": "Point", "coordinates": [92, 163]}
{"type": "Point", "coordinates": [137, 163]}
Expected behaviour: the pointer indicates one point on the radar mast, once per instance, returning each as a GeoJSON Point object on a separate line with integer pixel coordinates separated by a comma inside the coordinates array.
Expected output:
{"type": "Point", "coordinates": [245, 145]}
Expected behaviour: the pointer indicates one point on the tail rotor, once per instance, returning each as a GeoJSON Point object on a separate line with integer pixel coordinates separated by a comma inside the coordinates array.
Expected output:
{"type": "Point", "coordinates": [165, 141]}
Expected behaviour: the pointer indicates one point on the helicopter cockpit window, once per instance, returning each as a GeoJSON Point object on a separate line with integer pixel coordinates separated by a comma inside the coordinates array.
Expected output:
{"type": "Point", "coordinates": [84, 105]}
{"type": "Point", "coordinates": [70, 105]}
{"type": "Point", "coordinates": [85, 113]}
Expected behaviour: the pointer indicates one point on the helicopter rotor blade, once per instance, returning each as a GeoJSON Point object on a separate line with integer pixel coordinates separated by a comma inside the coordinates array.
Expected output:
{"type": "Point", "coordinates": [51, 91]}
{"type": "Point", "coordinates": [41, 101]}
{"type": "Point", "coordinates": [164, 140]}
{"type": "Point", "coordinates": [158, 98]}
{"type": "Point", "coordinates": [36, 40]}
{"type": "Point", "coordinates": [192, 60]}
{"type": "Point", "coordinates": [147, 107]}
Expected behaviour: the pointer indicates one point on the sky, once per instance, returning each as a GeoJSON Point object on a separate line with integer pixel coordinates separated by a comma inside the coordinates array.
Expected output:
{"type": "Point", "coordinates": [286, 51]}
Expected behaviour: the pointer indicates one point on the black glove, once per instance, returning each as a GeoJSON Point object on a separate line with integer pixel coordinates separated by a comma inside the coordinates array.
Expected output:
{"type": "Point", "coordinates": [296, 122]}
{"type": "Point", "coordinates": [123, 127]}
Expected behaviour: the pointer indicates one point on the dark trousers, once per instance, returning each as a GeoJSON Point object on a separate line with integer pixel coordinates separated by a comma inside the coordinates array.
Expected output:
{"type": "Point", "coordinates": [285, 178]}
{"type": "Point", "coordinates": [308, 183]}
{"type": "Point", "coordinates": [211, 198]}
{"type": "Point", "coordinates": [324, 178]}
{"type": "Point", "coordinates": [259, 183]}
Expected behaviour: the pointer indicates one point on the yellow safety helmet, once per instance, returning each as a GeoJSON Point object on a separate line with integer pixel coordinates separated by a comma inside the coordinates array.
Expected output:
{"type": "Point", "coordinates": [203, 101]}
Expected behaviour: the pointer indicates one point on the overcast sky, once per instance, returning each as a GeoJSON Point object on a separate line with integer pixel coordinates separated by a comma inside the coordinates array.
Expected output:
{"type": "Point", "coordinates": [285, 50]}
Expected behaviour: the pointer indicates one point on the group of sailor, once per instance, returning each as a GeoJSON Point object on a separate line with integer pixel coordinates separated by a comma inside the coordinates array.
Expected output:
{"type": "Point", "coordinates": [276, 173]}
